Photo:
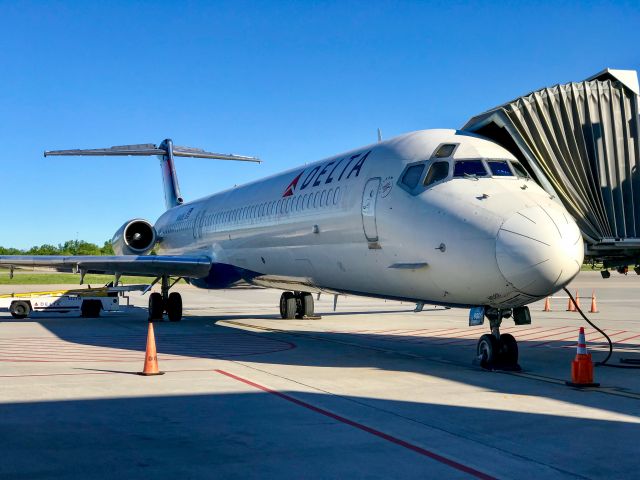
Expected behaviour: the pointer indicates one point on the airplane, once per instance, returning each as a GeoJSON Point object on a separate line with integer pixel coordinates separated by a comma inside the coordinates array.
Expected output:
{"type": "Point", "coordinates": [443, 217]}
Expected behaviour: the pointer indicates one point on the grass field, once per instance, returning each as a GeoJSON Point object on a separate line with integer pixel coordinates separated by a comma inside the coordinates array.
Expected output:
{"type": "Point", "coordinates": [41, 278]}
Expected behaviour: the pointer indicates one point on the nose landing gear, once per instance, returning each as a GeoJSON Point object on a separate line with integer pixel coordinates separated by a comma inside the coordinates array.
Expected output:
{"type": "Point", "coordinates": [497, 351]}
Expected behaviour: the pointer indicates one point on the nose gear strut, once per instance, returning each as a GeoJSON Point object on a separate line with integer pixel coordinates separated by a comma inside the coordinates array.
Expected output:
{"type": "Point", "coordinates": [497, 351]}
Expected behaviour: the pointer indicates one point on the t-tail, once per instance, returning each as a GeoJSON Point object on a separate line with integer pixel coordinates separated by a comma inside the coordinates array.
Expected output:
{"type": "Point", "coordinates": [166, 152]}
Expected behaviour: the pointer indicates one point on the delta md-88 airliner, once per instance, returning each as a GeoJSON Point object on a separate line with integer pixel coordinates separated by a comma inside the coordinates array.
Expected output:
{"type": "Point", "coordinates": [435, 216]}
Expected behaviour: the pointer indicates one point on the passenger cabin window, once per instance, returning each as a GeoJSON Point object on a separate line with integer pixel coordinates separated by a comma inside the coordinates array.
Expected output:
{"type": "Point", "coordinates": [500, 168]}
{"type": "Point", "coordinates": [519, 169]}
{"type": "Point", "coordinates": [412, 176]}
{"type": "Point", "coordinates": [438, 171]}
{"type": "Point", "coordinates": [469, 168]}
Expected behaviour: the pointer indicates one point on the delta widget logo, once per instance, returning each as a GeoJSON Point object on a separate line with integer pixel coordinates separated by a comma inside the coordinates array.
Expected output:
{"type": "Point", "coordinates": [292, 186]}
{"type": "Point", "coordinates": [327, 173]}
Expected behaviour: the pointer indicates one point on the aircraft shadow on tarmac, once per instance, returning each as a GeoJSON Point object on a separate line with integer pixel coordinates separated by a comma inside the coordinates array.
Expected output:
{"type": "Point", "coordinates": [202, 337]}
{"type": "Point", "coordinates": [261, 435]}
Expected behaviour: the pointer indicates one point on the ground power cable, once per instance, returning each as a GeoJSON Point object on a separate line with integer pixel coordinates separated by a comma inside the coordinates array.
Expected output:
{"type": "Point", "coordinates": [603, 363]}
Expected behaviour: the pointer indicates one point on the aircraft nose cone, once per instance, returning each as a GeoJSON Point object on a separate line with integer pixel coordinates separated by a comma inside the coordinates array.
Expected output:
{"type": "Point", "coordinates": [539, 251]}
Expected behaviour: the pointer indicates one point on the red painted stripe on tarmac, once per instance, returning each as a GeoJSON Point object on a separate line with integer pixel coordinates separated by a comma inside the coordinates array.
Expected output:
{"type": "Point", "coordinates": [431, 336]}
{"type": "Point", "coordinates": [389, 438]}
{"type": "Point", "coordinates": [628, 338]}
{"type": "Point", "coordinates": [543, 332]}
{"type": "Point", "coordinates": [435, 330]}
{"type": "Point", "coordinates": [593, 333]}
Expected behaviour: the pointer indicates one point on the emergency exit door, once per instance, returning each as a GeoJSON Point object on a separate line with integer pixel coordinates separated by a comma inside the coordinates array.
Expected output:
{"type": "Point", "coordinates": [369, 200]}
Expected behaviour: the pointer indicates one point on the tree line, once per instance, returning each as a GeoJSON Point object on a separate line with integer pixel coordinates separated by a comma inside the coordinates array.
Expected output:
{"type": "Point", "coordinates": [70, 247]}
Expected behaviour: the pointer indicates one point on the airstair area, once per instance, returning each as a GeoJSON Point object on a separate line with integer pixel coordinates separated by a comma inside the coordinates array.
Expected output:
{"type": "Point", "coordinates": [580, 142]}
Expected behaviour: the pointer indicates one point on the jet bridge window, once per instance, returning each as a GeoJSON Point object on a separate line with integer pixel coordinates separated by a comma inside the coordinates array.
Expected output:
{"type": "Point", "coordinates": [437, 172]}
{"type": "Point", "coordinates": [469, 168]}
{"type": "Point", "coordinates": [412, 176]}
{"type": "Point", "coordinates": [500, 168]}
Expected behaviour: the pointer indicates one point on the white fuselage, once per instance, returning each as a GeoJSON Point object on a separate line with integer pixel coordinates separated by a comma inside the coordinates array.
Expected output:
{"type": "Point", "coordinates": [349, 224]}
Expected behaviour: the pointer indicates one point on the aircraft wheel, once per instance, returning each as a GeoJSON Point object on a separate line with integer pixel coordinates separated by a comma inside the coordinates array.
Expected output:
{"type": "Point", "coordinates": [174, 307]}
{"type": "Point", "coordinates": [508, 350]}
{"type": "Point", "coordinates": [156, 307]}
{"type": "Point", "coordinates": [305, 306]}
{"type": "Point", "coordinates": [488, 350]}
{"type": "Point", "coordinates": [288, 305]}
{"type": "Point", "coordinates": [20, 309]}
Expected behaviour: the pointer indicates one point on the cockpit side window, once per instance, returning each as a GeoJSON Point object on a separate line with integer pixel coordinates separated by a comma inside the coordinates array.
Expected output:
{"type": "Point", "coordinates": [519, 169]}
{"type": "Point", "coordinates": [469, 168]}
{"type": "Point", "coordinates": [437, 172]}
{"type": "Point", "coordinates": [500, 168]}
{"type": "Point", "coordinates": [412, 176]}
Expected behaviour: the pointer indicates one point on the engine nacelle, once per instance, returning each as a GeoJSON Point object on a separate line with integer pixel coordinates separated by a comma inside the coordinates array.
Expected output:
{"type": "Point", "coordinates": [135, 237]}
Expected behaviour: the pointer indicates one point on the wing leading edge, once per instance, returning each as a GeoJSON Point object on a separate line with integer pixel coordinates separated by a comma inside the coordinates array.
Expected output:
{"type": "Point", "coordinates": [148, 265]}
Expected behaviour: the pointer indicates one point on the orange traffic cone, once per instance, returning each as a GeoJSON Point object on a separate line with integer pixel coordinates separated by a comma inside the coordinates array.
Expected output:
{"type": "Point", "coordinates": [151, 356]}
{"type": "Point", "coordinates": [571, 307]}
{"type": "Point", "coordinates": [582, 366]}
{"type": "Point", "coordinates": [594, 306]}
{"type": "Point", "coordinates": [577, 305]}
{"type": "Point", "coordinates": [547, 305]}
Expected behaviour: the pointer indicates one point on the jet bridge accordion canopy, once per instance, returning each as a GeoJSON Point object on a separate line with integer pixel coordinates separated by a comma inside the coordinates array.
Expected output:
{"type": "Point", "coordinates": [580, 143]}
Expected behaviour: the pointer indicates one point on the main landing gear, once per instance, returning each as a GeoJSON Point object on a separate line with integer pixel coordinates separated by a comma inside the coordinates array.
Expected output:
{"type": "Point", "coordinates": [171, 303]}
{"type": "Point", "coordinates": [296, 305]}
{"type": "Point", "coordinates": [497, 351]}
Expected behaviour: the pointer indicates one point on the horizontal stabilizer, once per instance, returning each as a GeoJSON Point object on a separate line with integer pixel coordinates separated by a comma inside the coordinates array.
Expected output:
{"type": "Point", "coordinates": [144, 149]}
{"type": "Point", "coordinates": [199, 153]}
{"type": "Point", "coordinates": [147, 149]}
{"type": "Point", "coordinates": [166, 152]}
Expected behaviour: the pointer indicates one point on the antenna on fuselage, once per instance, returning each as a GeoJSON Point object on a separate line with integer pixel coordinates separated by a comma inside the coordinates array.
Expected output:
{"type": "Point", "coordinates": [379, 136]}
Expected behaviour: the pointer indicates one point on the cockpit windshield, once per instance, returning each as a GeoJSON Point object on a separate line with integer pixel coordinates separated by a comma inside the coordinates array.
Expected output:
{"type": "Point", "coordinates": [519, 169]}
{"type": "Point", "coordinates": [469, 168]}
{"type": "Point", "coordinates": [438, 171]}
{"type": "Point", "coordinates": [500, 168]}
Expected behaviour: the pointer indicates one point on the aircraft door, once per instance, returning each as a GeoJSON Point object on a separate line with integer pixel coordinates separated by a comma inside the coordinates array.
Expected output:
{"type": "Point", "coordinates": [369, 199]}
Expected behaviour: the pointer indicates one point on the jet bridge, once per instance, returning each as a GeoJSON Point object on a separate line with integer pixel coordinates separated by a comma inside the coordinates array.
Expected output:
{"type": "Point", "coordinates": [580, 142]}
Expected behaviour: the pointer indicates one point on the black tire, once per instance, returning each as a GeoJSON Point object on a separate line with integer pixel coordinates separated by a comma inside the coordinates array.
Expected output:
{"type": "Point", "coordinates": [508, 350]}
{"type": "Point", "coordinates": [288, 305]}
{"type": "Point", "coordinates": [20, 309]}
{"type": "Point", "coordinates": [304, 305]}
{"type": "Point", "coordinates": [174, 307]}
{"type": "Point", "coordinates": [90, 308]}
{"type": "Point", "coordinates": [487, 351]}
{"type": "Point", "coordinates": [156, 306]}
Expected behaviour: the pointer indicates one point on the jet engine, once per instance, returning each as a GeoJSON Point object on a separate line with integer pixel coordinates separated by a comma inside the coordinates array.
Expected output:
{"type": "Point", "coordinates": [135, 237]}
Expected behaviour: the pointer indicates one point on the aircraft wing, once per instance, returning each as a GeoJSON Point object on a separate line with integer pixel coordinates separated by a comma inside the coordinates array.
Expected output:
{"type": "Point", "coordinates": [147, 265]}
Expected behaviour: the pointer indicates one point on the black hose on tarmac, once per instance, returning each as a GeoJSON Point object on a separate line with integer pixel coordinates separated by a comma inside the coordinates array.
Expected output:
{"type": "Point", "coordinates": [603, 363]}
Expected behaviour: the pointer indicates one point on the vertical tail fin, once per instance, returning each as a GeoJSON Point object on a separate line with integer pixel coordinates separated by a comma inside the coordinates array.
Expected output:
{"type": "Point", "coordinates": [166, 151]}
{"type": "Point", "coordinates": [172, 197]}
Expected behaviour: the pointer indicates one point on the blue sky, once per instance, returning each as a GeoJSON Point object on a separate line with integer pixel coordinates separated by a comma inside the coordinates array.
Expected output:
{"type": "Point", "coordinates": [290, 82]}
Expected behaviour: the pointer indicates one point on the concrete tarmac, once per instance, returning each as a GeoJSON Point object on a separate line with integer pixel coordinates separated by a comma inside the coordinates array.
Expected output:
{"type": "Point", "coordinates": [372, 390]}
